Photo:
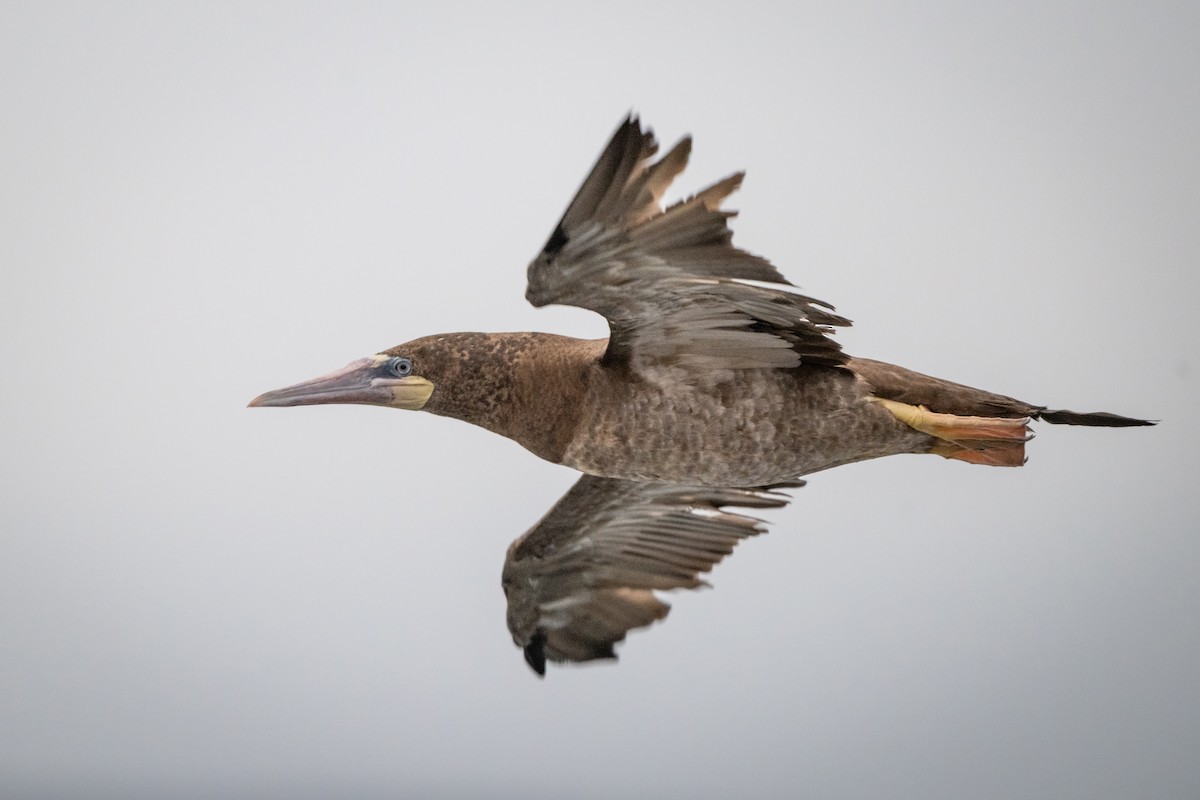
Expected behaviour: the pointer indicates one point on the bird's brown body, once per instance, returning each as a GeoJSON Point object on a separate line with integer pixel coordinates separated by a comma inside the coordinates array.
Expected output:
{"type": "Point", "coordinates": [555, 396]}
{"type": "Point", "coordinates": [734, 428]}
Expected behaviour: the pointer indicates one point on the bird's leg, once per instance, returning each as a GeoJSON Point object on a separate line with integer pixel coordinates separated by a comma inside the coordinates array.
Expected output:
{"type": "Point", "coordinates": [993, 441]}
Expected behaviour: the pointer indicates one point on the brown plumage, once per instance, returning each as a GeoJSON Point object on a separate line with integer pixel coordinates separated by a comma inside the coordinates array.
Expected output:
{"type": "Point", "coordinates": [717, 378]}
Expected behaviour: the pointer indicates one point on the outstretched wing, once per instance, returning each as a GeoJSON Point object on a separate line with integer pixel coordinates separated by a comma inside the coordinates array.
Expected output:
{"type": "Point", "coordinates": [672, 286]}
{"type": "Point", "coordinates": [586, 573]}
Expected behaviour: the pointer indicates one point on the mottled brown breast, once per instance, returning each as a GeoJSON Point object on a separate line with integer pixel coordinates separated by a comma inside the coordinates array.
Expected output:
{"type": "Point", "coordinates": [731, 427]}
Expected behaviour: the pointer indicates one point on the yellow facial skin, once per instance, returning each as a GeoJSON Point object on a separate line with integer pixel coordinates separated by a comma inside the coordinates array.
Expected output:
{"type": "Point", "coordinates": [410, 393]}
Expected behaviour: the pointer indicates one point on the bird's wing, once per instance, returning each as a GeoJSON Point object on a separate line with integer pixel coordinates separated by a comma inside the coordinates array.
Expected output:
{"type": "Point", "coordinates": [586, 573]}
{"type": "Point", "coordinates": [672, 286]}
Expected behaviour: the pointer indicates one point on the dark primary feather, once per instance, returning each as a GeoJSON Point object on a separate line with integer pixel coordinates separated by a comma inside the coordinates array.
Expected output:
{"type": "Point", "coordinates": [586, 573]}
{"type": "Point", "coordinates": [670, 282]}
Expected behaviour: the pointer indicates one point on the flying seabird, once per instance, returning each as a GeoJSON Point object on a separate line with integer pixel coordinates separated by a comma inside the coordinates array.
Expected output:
{"type": "Point", "coordinates": [718, 386]}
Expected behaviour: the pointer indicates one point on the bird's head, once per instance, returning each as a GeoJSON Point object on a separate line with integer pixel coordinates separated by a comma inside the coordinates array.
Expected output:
{"type": "Point", "coordinates": [384, 379]}
{"type": "Point", "coordinates": [467, 376]}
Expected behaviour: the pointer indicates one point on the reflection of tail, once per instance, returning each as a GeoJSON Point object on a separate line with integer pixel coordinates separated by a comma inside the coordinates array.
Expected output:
{"type": "Point", "coordinates": [969, 424]}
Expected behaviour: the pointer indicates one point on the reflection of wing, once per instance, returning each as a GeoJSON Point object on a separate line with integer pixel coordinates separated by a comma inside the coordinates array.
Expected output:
{"type": "Point", "coordinates": [669, 282]}
{"type": "Point", "coordinates": [585, 574]}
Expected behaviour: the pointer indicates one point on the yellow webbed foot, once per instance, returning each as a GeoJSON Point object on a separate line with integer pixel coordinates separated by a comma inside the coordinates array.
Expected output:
{"type": "Point", "coordinates": [994, 441]}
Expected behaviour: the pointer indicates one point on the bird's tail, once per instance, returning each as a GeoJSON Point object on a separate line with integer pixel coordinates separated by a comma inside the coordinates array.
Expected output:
{"type": "Point", "coordinates": [1097, 419]}
{"type": "Point", "coordinates": [969, 424]}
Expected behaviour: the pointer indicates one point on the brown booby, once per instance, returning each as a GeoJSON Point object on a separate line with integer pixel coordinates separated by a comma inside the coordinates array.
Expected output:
{"type": "Point", "coordinates": [718, 386]}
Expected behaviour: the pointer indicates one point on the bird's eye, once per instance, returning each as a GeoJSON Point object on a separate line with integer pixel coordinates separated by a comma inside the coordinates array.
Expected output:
{"type": "Point", "coordinates": [400, 367]}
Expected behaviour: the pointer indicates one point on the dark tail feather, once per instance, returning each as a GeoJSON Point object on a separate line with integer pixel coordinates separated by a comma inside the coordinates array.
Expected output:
{"type": "Point", "coordinates": [1102, 419]}
{"type": "Point", "coordinates": [905, 386]}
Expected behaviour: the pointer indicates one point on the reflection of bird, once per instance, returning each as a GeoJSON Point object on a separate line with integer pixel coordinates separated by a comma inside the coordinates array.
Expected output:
{"type": "Point", "coordinates": [717, 384]}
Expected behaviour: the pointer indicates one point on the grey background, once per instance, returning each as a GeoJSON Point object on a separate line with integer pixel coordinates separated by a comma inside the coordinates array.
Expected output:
{"type": "Point", "coordinates": [201, 203]}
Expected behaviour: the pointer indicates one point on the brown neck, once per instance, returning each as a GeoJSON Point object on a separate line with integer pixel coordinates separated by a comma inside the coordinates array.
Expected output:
{"type": "Point", "coordinates": [529, 387]}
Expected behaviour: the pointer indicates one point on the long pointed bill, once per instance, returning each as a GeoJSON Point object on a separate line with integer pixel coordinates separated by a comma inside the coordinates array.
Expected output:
{"type": "Point", "coordinates": [365, 381]}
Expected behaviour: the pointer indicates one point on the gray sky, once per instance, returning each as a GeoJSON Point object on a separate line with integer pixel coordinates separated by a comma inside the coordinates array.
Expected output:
{"type": "Point", "coordinates": [200, 204]}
